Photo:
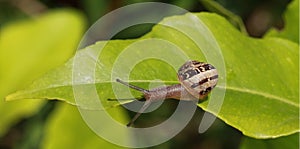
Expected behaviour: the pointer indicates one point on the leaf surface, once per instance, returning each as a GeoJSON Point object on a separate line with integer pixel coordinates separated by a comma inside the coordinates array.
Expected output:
{"type": "Point", "coordinates": [261, 74]}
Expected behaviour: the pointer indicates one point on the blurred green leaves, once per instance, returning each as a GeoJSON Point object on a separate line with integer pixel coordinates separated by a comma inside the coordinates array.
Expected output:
{"type": "Point", "coordinates": [290, 142]}
{"type": "Point", "coordinates": [30, 48]}
{"type": "Point", "coordinates": [66, 129]}
{"type": "Point", "coordinates": [236, 20]}
{"type": "Point", "coordinates": [291, 25]}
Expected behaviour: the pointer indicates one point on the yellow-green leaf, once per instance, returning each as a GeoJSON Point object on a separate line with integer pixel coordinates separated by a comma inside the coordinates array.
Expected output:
{"type": "Point", "coordinates": [262, 74]}
{"type": "Point", "coordinates": [29, 48]}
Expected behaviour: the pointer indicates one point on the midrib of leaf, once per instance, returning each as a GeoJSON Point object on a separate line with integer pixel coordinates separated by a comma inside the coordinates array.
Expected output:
{"type": "Point", "coordinates": [8, 98]}
{"type": "Point", "coordinates": [236, 89]}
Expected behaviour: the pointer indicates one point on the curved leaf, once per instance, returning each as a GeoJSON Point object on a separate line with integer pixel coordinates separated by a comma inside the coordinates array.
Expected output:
{"type": "Point", "coordinates": [262, 74]}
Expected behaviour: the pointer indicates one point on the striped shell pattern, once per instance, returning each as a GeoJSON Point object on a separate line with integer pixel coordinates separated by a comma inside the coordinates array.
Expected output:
{"type": "Point", "coordinates": [198, 78]}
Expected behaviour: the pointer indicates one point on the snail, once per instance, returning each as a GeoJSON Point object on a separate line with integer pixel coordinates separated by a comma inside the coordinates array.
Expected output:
{"type": "Point", "coordinates": [196, 79]}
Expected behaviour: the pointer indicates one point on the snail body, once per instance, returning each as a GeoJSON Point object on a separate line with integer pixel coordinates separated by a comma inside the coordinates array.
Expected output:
{"type": "Point", "coordinates": [196, 79]}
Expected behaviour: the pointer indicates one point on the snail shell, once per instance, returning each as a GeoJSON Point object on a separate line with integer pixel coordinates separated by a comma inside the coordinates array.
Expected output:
{"type": "Point", "coordinates": [198, 78]}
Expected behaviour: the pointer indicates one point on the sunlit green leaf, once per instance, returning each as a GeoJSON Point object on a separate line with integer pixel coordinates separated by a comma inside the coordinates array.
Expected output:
{"type": "Point", "coordinates": [262, 74]}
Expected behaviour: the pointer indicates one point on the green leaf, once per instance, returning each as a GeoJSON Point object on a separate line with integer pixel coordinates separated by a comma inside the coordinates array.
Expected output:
{"type": "Point", "coordinates": [29, 48]}
{"type": "Point", "coordinates": [262, 74]}
{"type": "Point", "coordinates": [12, 112]}
{"type": "Point", "coordinates": [290, 142]}
{"type": "Point", "coordinates": [66, 129]}
{"type": "Point", "coordinates": [291, 24]}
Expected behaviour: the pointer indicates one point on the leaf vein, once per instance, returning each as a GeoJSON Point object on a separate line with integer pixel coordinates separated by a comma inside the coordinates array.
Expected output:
{"type": "Point", "coordinates": [267, 95]}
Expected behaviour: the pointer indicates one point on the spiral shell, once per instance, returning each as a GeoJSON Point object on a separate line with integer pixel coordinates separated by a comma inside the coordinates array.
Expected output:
{"type": "Point", "coordinates": [198, 78]}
